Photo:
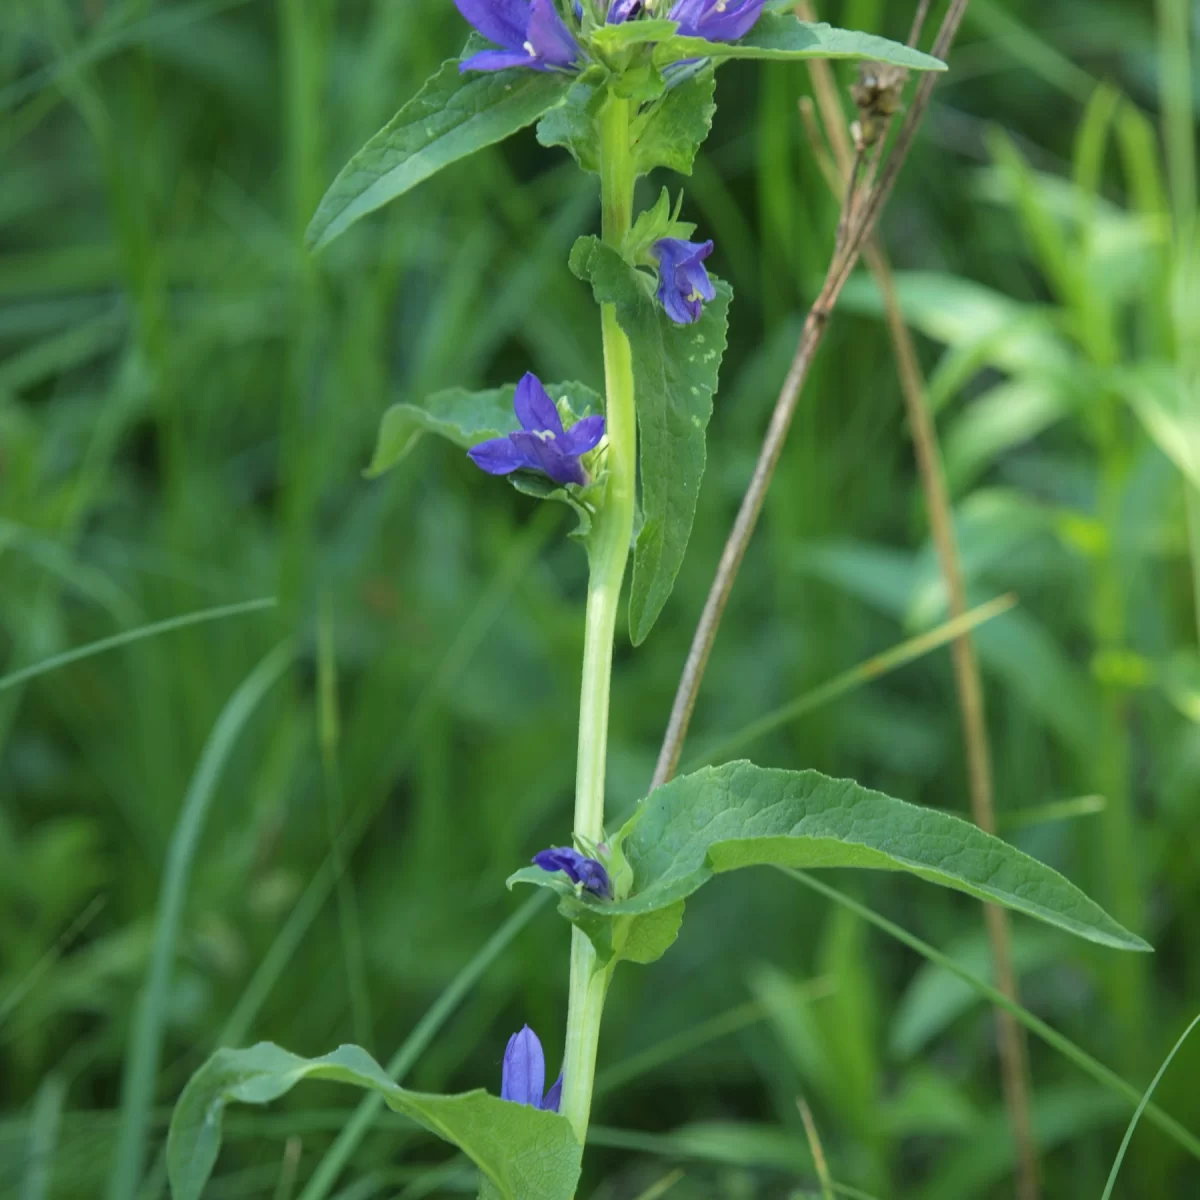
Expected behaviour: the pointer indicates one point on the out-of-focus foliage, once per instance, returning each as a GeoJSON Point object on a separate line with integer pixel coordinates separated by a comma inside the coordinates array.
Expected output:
{"type": "Point", "coordinates": [187, 403]}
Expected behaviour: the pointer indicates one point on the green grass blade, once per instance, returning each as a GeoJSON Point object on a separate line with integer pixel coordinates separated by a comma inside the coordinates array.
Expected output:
{"type": "Point", "coordinates": [1097, 1070]}
{"type": "Point", "coordinates": [145, 1044]}
{"type": "Point", "coordinates": [847, 681]}
{"type": "Point", "coordinates": [43, 1137]}
{"type": "Point", "coordinates": [1116, 1167]}
{"type": "Point", "coordinates": [328, 737]}
{"type": "Point", "coordinates": [132, 635]}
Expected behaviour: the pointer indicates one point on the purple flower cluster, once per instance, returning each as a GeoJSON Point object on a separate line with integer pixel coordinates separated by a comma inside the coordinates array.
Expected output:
{"type": "Point", "coordinates": [532, 33]}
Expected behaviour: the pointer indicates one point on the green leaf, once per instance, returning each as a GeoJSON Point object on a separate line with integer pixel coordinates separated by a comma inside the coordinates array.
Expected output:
{"type": "Point", "coordinates": [466, 419]}
{"type": "Point", "coordinates": [452, 116]}
{"type": "Point", "coordinates": [675, 376]}
{"type": "Point", "coordinates": [783, 36]}
{"type": "Point", "coordinates": [612, 39]}
{"type": "Point", "coordinates": [739, 815]}
{"type": "Point", "coordinates": [643, 938]}
{"type": "Point", "coordinates": [1170, 413]}
{"type": "Point", "coordinates": [572, 126]}
{"type": "Point", "coordinates": [669, 133]}
{"type": "Point", "coordinates": [522, 1152]}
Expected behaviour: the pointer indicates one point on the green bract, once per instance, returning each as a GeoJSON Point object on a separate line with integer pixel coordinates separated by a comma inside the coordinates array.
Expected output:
{"type": "Point", "coordinates": [522, 1152]}
{"type": "Point", "coordinates": [739, 815]}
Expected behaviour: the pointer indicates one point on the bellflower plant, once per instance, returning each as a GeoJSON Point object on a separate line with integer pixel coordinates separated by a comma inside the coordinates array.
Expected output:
{"type": "Point", "coordinates": [603, 80]}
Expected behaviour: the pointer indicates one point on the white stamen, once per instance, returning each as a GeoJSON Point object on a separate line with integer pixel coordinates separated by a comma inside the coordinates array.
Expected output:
{"type": "Point", "coordinates": [528, 48]}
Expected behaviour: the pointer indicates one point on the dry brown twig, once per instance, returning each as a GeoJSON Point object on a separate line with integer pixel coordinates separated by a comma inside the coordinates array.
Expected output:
{"type": "Point", "coordinates": [866, 194]}
{"type": "Point", "coordinates": [1013, 1048]}
{"type": "Point", "coordinates": [863, 217]}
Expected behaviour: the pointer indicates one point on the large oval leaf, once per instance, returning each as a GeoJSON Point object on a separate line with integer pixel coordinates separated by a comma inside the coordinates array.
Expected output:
{"type": "Point", "coordinates": [522, 1152]}
{"type": "Point", "coordinates": [739, 815]}
{"type": "Point", "coordinates": [452, 116]}
{"type": "Point", "coordinates": [784, 36]}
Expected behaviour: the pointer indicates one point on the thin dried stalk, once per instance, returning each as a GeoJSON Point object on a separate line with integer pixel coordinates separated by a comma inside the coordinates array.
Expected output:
{"type": "Point", "coordinates": [864, 219]}
{"type": "Point", "coordinates": [1011, 1041]}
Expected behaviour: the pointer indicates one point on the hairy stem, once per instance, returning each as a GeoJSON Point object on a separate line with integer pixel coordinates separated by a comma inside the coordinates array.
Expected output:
{"type": "Point", "coordinates": [609, 551]}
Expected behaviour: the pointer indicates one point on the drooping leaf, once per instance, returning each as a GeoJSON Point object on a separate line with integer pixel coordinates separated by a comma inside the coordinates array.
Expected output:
{"type": "Point", "coordinates": [670, 132]}
{"type": "Point", "coordinates": [739, 815]}
{"type": "Point", "coordinates": [784, 36]}
{"type": "Point", "coordinates": [675, 376]}
{"type": "Point", "coordinates": [523, 1153]}
{"type": "Point", "coordinates": [466, 419]}
{"type": "Point", "coordinates": [453, 115]}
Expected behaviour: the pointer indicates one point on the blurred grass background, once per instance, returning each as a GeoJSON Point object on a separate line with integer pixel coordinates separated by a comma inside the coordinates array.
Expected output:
{"type": "Point", "coordinates": [186, 402]}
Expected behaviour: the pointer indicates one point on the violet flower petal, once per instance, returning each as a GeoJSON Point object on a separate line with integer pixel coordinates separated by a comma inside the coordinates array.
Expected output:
{"type": "Point", "coordinates": [549, 455]}
{"type": "Point", "coordinates": [583, 436]}
{"type": "Point", "coordinates": [524, 1072]}
{"type": "Point", "coordinates": [549, 36]}
{"type": "Point", "coordinates": [534, 408]}
{"type": "Point", "coordinates": [498, 456]}
{"type": "Point", "coordinates": [500, 21]}
{"type": "Point", "coordinates": [553, 1097]}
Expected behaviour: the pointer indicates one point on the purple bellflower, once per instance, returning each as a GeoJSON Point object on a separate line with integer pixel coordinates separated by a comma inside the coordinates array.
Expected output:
{"type": "Point", "coordinates": [716, 20]}
{"type": "Point", "coordinates": [524, 1073]}
{"type": "Point", "coordinates": [620, 11]}
{"type": "Point", "coordinates": [541, 444]}
{"type": "Point", "coordinates": [578, 868]}
{"type": "Point", "coordinates": [683, 283]}
{"type": "Point", "coordinates": [531, 32]}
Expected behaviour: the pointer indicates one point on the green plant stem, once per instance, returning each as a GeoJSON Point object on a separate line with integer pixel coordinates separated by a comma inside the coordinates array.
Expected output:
{"type": "Point", "coordinates": [609, 552]}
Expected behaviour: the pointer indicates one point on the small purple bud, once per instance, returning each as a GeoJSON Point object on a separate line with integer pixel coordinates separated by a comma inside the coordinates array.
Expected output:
{"type": "Point", "coordinates": [578, 868]}
{"type": "Point", "coordinates": [683, 283]}
{"type": "Point", "coordinates": [524, 1073]}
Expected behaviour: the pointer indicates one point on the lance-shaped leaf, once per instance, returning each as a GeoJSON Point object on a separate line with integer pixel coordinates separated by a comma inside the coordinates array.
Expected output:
{"type": "Point", "coordinates": [522, 1152]}
{"type": "Point", "coordinates": [675, 375]}
{"type": "Point", "coordinates": [464, 418]}
{"type": "Point", "coordinates": [784, 36]}
{"type": "Point", "coordinates": [452, 116]}
{"type": "Point", "coordinates": [739, 815]}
